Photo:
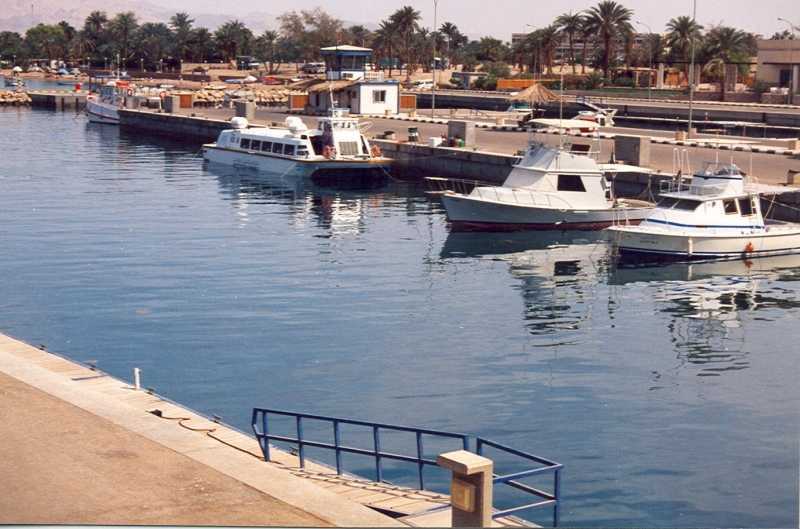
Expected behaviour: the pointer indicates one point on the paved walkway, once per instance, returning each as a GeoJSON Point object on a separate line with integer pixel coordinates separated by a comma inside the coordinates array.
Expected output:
{"type": "Point", "coordinates": [79, 447]}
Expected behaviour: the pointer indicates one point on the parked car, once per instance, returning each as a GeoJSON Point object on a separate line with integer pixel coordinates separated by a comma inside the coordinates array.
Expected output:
{"type": "Point", "coordinates": [422, 85]}
{"type": "Point", "coordinates": [270, 80]}
{"type": "Point", "coordinates": [313, 67]}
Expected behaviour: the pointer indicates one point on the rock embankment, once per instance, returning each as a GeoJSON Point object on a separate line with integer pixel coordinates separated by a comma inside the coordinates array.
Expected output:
{"type": "Point", "coordinates": [8, 98]}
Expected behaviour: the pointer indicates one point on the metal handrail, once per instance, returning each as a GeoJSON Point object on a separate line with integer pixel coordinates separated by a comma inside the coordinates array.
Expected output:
{"type": "Point", "coordinates": [549, 498]}
{"type": "Point", "coordinates": [260, 426]}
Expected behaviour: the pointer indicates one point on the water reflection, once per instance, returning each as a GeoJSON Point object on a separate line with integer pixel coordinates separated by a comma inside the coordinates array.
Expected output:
{"type": "Point", "coordinates": [558, 271]}
{"type": "Point", "coordinates": [707, 303]}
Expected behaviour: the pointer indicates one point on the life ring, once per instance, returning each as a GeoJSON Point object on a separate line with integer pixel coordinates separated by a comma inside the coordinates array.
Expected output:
{"type": "Point", "coordinates": [327, 152]}
{"type": "Point", "coordinates": [749, 248]}
{"type": "Point", "coordinates": [375, 151]}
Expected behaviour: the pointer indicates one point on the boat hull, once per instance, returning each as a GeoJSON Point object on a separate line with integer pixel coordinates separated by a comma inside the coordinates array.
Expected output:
{"type": "Point", "coordinates": [467, 213]}
{"type": "Point", "coordinates": [99, 112]}
{"type": "Point", "coordinates": [359, 172]}
{"type": "Point", "coordinates": [640, 241]}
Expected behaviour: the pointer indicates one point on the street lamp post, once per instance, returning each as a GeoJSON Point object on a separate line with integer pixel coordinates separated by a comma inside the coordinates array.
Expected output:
{"type": "Point", "coordinates": [105, 63]}
{"type": "Point", "coordinates": [792, 28]}
{"type": "Point", "coordinates": [435, 32]}
{"type": "Point", "coordinates": [650, 53]}
{"type": "Point", "coordinates": [691, 76]}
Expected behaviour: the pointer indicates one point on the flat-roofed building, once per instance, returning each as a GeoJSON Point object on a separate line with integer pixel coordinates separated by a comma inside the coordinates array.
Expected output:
{"type": "Point", "coordinates": [779, 64]}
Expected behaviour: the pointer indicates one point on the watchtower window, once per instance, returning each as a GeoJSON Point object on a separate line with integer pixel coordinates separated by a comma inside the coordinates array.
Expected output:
{"type": "Point", "coordinates": [570, 182]}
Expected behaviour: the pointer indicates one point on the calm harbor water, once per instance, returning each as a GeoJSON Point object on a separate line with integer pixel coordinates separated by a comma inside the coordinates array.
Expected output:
{"type": "Point", "coordinates": [669, 393]}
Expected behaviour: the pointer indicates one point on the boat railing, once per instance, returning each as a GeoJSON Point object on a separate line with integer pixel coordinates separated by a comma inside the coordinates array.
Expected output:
{"type": "Point", "coordinates": [510, 195]}
{"type": "Point", "coordinates": [438, 185]}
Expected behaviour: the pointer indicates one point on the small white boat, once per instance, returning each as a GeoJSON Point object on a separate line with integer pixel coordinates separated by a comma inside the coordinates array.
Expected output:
{"type": "Point", "coordinates": [335, 149]}
{"type": "Point", "coordinates": [104, 106]}
{"type": "Point", "coordinates": [716, 216]}
{"type": "Point", "coordinates": [549, 189]}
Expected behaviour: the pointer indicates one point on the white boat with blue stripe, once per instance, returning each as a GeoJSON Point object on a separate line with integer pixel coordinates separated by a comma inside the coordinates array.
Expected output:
{"type": "Point", "coordinates": [717, 215]}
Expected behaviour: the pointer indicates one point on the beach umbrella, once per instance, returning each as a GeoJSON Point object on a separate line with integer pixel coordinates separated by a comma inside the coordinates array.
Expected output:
{"type": "Point", "coordinates": [16, 69]}
{"type": "Point", "coordinates": [536, 94]}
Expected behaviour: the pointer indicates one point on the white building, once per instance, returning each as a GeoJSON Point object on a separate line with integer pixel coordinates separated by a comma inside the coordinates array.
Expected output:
{"type": "Point", "coordinates": [779, 64]}
{"type": "Point", "coordinates": [351, 83]}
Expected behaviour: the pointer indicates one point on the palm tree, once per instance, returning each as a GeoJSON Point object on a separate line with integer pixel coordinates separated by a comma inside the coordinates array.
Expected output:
{"type": "Point", "coordinates": [153, 42]}
{"type": "Point", "coordinates": [725, 45]}
{"type": "Point", "coordinates": [266, 50]}
{"type": "Point", "coordinates": [681, 32]}
{"type": "Point", "coordinates": [587, 35]}
{"type": "Point", "coordinates": [570, 24]}
{"type": "Point", "coordinates": [549, 39]}
{"type": "Point", "coordinates": [123, 28]}
{"type": "Point", "coordinates": [384, 41]}
{"type": "Point", "coordinates": [454, 39]}
{"type": "Point", "coordinates": [361, 36]}
{"type": "Point", "coordinates": [181, 25]}
{"type": "Point", "coordinates": [201, 44]}
{"type": "Point", "coordinates": [406, 23]}
{"type": "Point", "coordinates": [232, 38]}
{"type": "Point", "coordinates": [94, 30]}
{"type": "Point", "coordinates": [609, 20]}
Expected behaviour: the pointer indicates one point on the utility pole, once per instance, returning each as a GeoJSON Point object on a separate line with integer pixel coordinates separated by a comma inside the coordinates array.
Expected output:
{"type": "Point", "coordinates": [435, 34]}
{"type": "Point", "coordinates": [792, 78]}
{"type": "Point", "coordinates": [649, 52]}
{"type": "Point", "coordinates": [691, 76]}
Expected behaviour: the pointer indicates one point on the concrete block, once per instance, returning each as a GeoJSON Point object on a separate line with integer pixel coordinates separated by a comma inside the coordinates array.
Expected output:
{"type": "Point", "coordinates": [462, 129]}
{"type": "Point", "coordinates": [633, 150]}
{"type": "Point", "coordinates": [172, 104]}
{"type": "Point", "coordinates": [245, 109]}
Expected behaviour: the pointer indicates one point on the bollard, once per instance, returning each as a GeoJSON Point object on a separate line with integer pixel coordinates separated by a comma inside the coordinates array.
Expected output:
{"type": "Point", "coordinates": [137, 378]}
{"type": "Point", "coordinates": [470, 488]}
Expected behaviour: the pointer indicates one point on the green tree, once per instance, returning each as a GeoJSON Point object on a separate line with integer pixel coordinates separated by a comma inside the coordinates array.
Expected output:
{"type": "Point", "coordinates": [609, 21]}
{"type": "Point", "coordinates": [154, 41]}
{"type": "Point", "coordinates": [726, 45]}
{"type": "Point", "coordinates": [681, 31]}
{"type": "Point", "coordinates": [201, 45]}
{"type": "Point", "coordinates": [406, 23]}
{"type": "Point", "coordinates": [181, 26]}
{"type": "Point", "coordinates": [454, 40]}
{"type": "Point", "coordinates": [11, 45]}
{"type": "Point", "coordinates": [45, 41]}
{"type": "Point", "coordinates": [267, 49]}
{"type": "Point", "coordinates": [491, 49]}
{"type": "Point", "coordinates": [384, 43]}
{"type": "Point", "coordinates": [570, 24]}
{"type": "Point", "coordinates": [359, 36]}
{"type": "Point", "coordinates": [233, 38]}
{"type": "Point", "coordinates": [122, 30]}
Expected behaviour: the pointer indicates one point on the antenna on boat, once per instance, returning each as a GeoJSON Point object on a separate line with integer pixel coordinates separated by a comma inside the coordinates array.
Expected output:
{"type": "Point", "coordinates": [561, 106]}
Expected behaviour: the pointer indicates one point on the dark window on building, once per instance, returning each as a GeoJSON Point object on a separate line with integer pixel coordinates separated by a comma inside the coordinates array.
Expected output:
{"type": "Point", "coordinates": [244, 144]}
{"type": "Point", "coordinates": [730, 207]}
{"type": "Point", "coordinates": [746, 207]}
{"type": "Point", "coordinates": [570, 182]}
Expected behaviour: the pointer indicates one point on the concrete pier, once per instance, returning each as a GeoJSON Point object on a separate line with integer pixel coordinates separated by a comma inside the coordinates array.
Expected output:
{"type": "Point", "coordinates": [58, 99]}
{"type": "Point", "coordinates": [82, 447]}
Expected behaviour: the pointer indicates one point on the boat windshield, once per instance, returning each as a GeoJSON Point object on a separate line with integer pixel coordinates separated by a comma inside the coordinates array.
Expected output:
{"type": "Point", "coordinates": [678, 203]}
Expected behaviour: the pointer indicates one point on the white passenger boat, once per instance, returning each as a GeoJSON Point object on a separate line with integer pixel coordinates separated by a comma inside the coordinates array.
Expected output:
{"type": "Point", "coordinates": [103, 107]}
{"type": "Point", "coordinates": [335, 149]}
{"type": "Point", "coordinates": [551, 188]}
{"type": "Point", "coordinates": [716, 216]}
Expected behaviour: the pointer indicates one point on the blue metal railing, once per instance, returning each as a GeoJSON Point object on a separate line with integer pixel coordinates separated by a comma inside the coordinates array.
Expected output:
{"type": "Point", "coordinates": [260, 423]}
{"type": "Point", "coordinates": [548, 498]}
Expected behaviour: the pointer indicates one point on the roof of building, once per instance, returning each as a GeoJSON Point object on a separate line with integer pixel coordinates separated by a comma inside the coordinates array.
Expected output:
{"type": "Point", "coordinates": [334, 86]}
{"type": "Point", "coordinates": [345, 47]}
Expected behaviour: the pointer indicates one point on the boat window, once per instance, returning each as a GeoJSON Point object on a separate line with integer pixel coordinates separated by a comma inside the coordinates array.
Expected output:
{"type": "Point", "coordinates": [687, 205]}
{"type": "Point", "coordinates": [244, 144]}
{"type": "Point", "coordinates": [348, 148]}
{"type": "Point", "coordinates": [570, 182]}
{"type": "Point", "coordinates": [266, 146]}
{"type": "Point", "coordinates": [746, 207]}
{"type": "Point", "coordinates": [666, 202]}
{"type": "Point", "coordinates": [730, 207]}
{"type": "Point", "coordinates": [288, 150]}
{"type": "Point", "coordinates": [277, 148]}
{"type": "Point", "coordinates": [255, 145]}
{"type": "Point", "coordinates": [302, 151]}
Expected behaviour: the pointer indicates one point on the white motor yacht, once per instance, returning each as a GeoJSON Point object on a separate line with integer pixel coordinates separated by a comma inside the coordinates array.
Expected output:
{"type": "Point", "coordinates": [551, 188]}
{"type": "Point", "coordinates": [336, 148]}
{"type": "Point", "coordinates": [716, 216]}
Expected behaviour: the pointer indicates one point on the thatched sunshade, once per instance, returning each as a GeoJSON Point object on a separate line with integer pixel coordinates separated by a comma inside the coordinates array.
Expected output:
{"type": "Point", "coordinates": [536, 94]}
{"type": "Point", "coordinates": [333, 86]}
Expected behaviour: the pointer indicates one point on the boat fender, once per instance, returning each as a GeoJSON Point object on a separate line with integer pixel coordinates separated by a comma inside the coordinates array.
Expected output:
{"type": "Point", "coordinates": [749, 248]}
{"type": "Point", "coordinates": [375, 151]}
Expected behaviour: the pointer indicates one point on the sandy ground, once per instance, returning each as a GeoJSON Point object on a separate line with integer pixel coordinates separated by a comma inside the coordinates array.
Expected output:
{"type": "Point", "coordinates": [61, 464]}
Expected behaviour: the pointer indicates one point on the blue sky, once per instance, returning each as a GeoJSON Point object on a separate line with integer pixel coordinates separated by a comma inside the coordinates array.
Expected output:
{"type": "Point", "coordinates": [502, 17]}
